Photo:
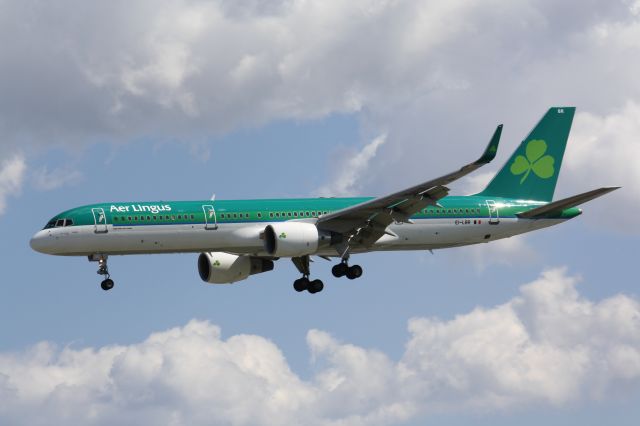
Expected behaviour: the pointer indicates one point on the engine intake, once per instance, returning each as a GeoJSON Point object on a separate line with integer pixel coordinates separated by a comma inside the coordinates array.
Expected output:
{"type": "Point", "coordinates": [291, 239]}
{"type": "Point", "coordinates": [227, 268]}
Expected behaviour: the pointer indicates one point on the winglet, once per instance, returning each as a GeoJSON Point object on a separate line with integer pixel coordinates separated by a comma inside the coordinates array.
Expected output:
{"type": "Point", "coordinates": [492, 149]}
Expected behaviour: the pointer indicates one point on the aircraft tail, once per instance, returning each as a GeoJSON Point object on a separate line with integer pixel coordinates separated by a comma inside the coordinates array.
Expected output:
{"type": "Point", "coordinates": [532, 171]}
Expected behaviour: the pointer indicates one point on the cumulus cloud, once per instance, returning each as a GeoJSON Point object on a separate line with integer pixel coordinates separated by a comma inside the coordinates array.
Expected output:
{"type": "Point", "coordinates": [548, 345]}
{"type": "Point", "coordinates": [188, 67]}
{"type": "Point", "coordinates": [437, 75]}
{"type": "Point", "coordinates": [350, 171]}
{"type": "Point", "coordinates": [507, 251]}
{"type": "Point", "coordinates": [11, 177]}
{"type": "Point", "coordinates": [47, 180]}
{"type": "Point", "coordinates": [603, 153]}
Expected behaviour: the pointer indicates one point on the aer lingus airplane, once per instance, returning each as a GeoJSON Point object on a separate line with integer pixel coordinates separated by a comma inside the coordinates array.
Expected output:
{"type": "Point", "coordinates": [238, 238]}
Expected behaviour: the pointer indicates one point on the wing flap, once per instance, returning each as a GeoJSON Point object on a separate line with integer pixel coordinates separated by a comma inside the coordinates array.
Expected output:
{"type": "Point", "coordinates": [556, 207]}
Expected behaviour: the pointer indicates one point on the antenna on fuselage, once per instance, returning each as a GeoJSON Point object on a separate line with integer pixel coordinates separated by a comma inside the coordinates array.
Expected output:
{"type": "Point", "coordinates": [213, 197]}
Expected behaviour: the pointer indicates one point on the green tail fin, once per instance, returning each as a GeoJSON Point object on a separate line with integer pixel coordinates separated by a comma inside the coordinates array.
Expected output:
{"type": "Point", "coordinates": [532, 171]}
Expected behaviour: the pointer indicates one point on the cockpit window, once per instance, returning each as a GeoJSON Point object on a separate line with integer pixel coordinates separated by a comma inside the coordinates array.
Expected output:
{"type": "Point", "coordinates": [58, 223]}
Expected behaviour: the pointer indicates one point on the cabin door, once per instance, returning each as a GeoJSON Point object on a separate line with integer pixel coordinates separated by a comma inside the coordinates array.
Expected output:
{"type": "Point", "coordinates": [494, 215]}
{"type": "Point", "coordinates": [100, 220]}
{"type": "Point", "coordinates": [210, 219]}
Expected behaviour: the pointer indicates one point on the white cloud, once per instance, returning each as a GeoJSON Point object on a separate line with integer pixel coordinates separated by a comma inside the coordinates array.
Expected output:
{"type": "Point", "coordinates": [507, 251]}
{"type": "Point", "coordinates": [47, 180]}
{"type": "Point", "coordinates": [437, 75]}
{"type": "Point", "coordinates": [350, 170]}
{"type": "Point", "coordinates": [183, 68]}
{"type": "Point", "coordinates": [603, 152]}
{"type": "Point", "coordinates": [476, 182]}
{"type": "Point", "coordinates": [11, 177]}
{"type": "Point", "coordinates": [549, 345]}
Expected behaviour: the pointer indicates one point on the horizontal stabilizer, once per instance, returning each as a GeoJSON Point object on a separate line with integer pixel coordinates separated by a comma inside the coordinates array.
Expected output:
{"type": "Point", "coordinates": [557, 207]}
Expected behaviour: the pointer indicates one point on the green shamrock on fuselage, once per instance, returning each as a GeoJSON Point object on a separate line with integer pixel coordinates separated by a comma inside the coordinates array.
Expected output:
{"type": "Point", "coordinates": [542, 165]}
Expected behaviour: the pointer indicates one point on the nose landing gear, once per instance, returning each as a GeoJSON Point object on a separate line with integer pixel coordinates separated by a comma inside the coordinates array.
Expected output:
{"type": "Point", "coordinates": [103, 269]}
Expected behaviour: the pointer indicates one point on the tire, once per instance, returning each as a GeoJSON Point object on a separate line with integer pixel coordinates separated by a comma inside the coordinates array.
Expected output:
{"type": "Point", "coordinates": [315, 286]}
{"type": "Point", "coordinates": [107, 284]}
{"type": "Point", "coordinates": [354, 272]}
{"type": "Point", "coordinates": [301, 284]}
{"type": "Point", "coordinates": [339, 270]}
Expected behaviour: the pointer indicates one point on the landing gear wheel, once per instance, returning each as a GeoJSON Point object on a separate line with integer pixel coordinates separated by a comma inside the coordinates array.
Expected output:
{"type": "Point", "coordinates": [103, 269]}
{"type": "Point", "coordinates": [107, 284]}
{"type": "Point", "coordinates": [301, 284]}
{"type": "Point", "coordinates": [340, 270]}
{"type": "Point", "coordinates": [354, 271]}
{"type": "Point", "coordinates": [315, 286]}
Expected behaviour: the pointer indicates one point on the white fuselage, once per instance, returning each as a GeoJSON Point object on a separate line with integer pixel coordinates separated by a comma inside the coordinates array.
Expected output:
{"type": "Point", "coordinates": [423, 234]}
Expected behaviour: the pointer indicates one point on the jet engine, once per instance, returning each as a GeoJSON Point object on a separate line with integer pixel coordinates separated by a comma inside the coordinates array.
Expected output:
{"type": "Point", "coordinates": [227, 268]}
{"type": "Point", "coordinates": [291, 239]}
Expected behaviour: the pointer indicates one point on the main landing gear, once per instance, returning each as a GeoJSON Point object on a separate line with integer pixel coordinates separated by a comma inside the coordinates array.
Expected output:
{"type": "Point", "coordinates": [103, 269]}
{"type": "Point", "coordinates": [343, 269]}
{"type": "Point", "coordinates": [304, 283]}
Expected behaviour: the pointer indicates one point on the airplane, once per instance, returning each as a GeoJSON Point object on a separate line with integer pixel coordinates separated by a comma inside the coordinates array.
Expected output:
{"type": "Point", "coordinates": [239, 238]}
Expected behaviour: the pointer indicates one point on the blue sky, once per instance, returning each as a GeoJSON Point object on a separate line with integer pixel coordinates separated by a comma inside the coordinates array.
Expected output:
{"type": "Point", "coordinates": [265, 99]}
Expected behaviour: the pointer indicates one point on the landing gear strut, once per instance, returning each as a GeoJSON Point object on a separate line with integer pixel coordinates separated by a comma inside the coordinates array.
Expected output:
{"type": "Point", "coordinates": [304, 283]}
{"type": "Point", "coordinates": [343, 269]}
{"type": "Point", "coordinates": [103, 269]}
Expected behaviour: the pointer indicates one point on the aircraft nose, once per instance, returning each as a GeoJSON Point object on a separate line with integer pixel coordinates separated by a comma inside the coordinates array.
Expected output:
{"type": "Point", "coordinates": [41, 242]}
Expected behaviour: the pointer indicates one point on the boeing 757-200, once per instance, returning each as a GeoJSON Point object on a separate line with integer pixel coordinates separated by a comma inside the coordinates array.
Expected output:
{"type": "Point", "coordinates": [239, 238]}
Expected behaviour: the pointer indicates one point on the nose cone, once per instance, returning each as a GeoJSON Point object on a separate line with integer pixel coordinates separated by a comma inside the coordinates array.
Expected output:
{"type": "Point", "coordinates": [42, 242]}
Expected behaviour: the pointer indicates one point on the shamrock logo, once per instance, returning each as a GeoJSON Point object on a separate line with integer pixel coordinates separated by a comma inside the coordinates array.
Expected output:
{"type": "Point", "coordinates": [216, 263]}
{"type": "Point", "coordinates": [282, 235]}
{"type": "Point", "coordinates": [542, 165]}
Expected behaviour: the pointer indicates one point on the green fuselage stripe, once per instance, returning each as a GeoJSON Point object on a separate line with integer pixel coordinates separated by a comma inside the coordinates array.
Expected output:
{"type": "Point", "coordinates": [273, 210]}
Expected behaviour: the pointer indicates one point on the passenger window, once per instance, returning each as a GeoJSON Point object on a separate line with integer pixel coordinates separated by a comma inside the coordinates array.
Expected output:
{"type": "Point", "coordinates": [148, 217]}
{"type": "Point", "coordinates": [135, 218]}
{"type": "Point", "coordinates": [155, 217]}
{"type": "Point", "coordinates": [270, 214]}
{"type": "Point", "coordinates": [277, 214]}
{"type": "Point", "coordinates": [295, 214]}
{"type": "Point", "coordinates": [173, 217]}
{"type": "Point", "coordinates": [313, 214]}
{"type": "Point", "coordinates": [259, 215]}
{"type": "Point", "coordinates": [289, 214]}
{"type": "Point", "coordinates": [193, 217]}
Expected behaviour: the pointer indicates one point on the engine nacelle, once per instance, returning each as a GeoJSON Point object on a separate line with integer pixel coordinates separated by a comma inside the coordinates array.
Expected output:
{"type": "Point", "coordinates": [227, 268]}
{"type": "Point", "coordinates": [291, 239]}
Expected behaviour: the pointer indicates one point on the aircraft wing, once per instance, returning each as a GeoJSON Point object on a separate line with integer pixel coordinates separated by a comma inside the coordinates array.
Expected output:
{"type": "Point", "coordinates": [365, 223]}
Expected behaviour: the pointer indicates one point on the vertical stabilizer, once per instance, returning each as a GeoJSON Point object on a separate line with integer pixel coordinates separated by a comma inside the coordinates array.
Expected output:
{"type": "Point", "coordinates": [532, 171]}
